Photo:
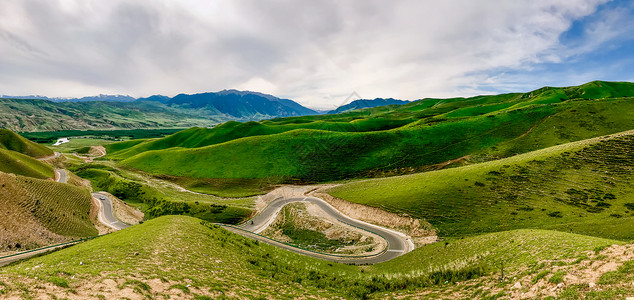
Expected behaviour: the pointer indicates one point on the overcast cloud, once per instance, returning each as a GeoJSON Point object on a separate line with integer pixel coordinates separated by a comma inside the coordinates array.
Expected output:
{"type": "Point", "coordinates": [315, 52]}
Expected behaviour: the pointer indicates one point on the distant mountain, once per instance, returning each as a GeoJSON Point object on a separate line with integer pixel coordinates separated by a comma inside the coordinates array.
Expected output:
{"type": "Point", "coordinates": [236, 104]}
{"type": "Point", "coordinates": [108, 98]}
{"type": "Point", "coordinates": [118, 112]}
{"type": "Point", "coordinates": [363, 103]}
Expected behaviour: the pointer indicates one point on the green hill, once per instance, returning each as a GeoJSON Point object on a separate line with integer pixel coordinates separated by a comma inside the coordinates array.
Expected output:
{"type": "Point", "coordinates": [17, 163]}
{"type": "Point", "coordinates": [390, 140]}
{"type": "Point", "coordinates": [583, 187]}
{"type": "Point", "coordinates": [10, 140]}
{"type": "Point", "coordinates": [178, 257]}
{"type": "Point", "coordinates": [39, 212]}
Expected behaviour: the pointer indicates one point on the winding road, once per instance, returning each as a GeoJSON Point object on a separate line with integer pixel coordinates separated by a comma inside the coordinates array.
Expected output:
{"type": "Point", "coordinates": [397, 243]}
{"type": "Point", "coordinates": [106, 215]}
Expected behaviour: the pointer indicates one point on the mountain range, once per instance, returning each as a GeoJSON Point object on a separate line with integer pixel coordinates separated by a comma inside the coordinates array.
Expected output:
{"type": "Point", "coordinates": [25, 113]}
{"type": "Point", "coordinates": [366, 103]}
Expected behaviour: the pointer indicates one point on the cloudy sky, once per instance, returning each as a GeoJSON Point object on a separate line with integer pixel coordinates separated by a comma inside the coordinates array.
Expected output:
{"type": "Point", "coordinates": [315, 52]}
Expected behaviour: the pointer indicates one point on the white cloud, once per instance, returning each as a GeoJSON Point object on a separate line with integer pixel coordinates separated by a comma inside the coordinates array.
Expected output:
{"type": "Point", "coordinates": [316, 52]}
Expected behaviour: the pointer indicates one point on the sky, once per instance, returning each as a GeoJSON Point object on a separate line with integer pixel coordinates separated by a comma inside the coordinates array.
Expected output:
{"type": "Point", "coordinates": [317, 53]}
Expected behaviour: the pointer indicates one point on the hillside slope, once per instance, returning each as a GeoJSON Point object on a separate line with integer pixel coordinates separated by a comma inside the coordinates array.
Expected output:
{"type": "Point", "coordinates": [10, 140]}
{"type": "Point", "coordinates": [323, 155]}
{"type": "Point", "coordinates": [18, 163]}
{"type": "Point", "coordinates": [583, 187]}
{"type": "Point", "coordinates": [180, 257]}
{"type": "Point", "coordinates": [40, 212]}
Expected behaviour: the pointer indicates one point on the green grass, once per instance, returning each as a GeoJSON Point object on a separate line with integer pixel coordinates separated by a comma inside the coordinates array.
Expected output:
{"type": "Point", "coordinates": [387, 140]}
{"type": "Point", "coordinates": [181, 250]}
{"type": "Point", "coordinates": [9, 140]}
{"type": "Point", "coordinates": [224, 187]}
{"type": "Point", "coordinates": [17, 163]}
{"type": "Point", "coordinates": [581, 187]}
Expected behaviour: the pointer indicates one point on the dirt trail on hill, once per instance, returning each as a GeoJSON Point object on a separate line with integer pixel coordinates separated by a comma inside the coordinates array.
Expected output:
{"type": "Point", "coordinates": [93, 153]}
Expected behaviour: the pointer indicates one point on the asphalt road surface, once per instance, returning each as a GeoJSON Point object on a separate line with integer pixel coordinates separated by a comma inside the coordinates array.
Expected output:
{"type": "Point", "coordinates": [55, 155]}
{"type": "Point", "coordinates": [398, 243]}
{"type": "Point", "coordinates": [106, 214]}
{"type": "Point", "coordinates": [62, 175]}
{"type": "Point", "coordinates": [8, 260]}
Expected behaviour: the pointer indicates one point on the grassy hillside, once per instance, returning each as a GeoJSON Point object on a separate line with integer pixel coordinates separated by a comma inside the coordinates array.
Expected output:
{"type": "Point", "coordinates": [39, 212]}
{"type": "Point", "coordinates": [389, 140]}
{"type": "Point", "coordinates": [17, 163]}
{"type": "Point", "coordinates": [10, 140]}
{"type": "Point", "coordinates": [583, 187]}
{"type": "Point", "coordinates": [213, 263]}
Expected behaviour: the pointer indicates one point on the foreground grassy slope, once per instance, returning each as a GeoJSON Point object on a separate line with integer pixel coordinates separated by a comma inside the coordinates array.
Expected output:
{"type": "Point", "coordinates": [583, 187]}
{"type": "Point", "coordinates": [422, 133]}
{"type": "Point", "coordinates": [10, 140]}
{"type": "Point", "coordinates": [39, 212]}
{"type": "Point", "coordinates": [18, 163]}
{"type": "Point", "coordinates": [143, 260]}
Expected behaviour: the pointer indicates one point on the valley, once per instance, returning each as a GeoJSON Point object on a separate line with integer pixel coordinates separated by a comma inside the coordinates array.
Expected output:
{"type": "Point", "coordinates": [511, 195]}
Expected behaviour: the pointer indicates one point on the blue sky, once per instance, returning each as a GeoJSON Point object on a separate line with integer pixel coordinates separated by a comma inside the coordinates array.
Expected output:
{"type": "Point", "coordinates": [583, 58]}
{"type": "Point", "coordinates": [315, 52]}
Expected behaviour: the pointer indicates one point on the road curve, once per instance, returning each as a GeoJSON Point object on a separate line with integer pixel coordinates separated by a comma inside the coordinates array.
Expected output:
{"type": "Point", "coordinates": [106, 215]}
{"type": "Point", "coordinates": [62, 175]}
{"type": "Point", "coordinates": [55, 155]}
{"type": "Point", "coordinates": [398, 243]}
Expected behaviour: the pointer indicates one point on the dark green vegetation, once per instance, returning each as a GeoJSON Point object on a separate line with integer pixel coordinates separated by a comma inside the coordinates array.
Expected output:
{"type": "Point", "coordinates": [9, 140]}
{"type": "Point", "coordinates": [582, 187]}
{"type": "Point", "coordinates": [218, 263]}
{"type": "Point", "coordinates": [45, 137]}
{"type": "Point", "coordinates": [154, 202]}
{"type": "Point", "coordinates": [391, 139]}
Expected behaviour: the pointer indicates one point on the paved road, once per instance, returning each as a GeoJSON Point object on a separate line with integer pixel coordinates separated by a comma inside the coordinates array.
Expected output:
{"type": "Point", "coordinates": [106, 214]}
{"type": "Point", "coordinates": [56, 155]}
{"type": "Point", "coordinates": [62, 175]}
{"type": "Point", "coordinates": [8, 260]}
{"type": "Point", "coordinates": [398, 243]}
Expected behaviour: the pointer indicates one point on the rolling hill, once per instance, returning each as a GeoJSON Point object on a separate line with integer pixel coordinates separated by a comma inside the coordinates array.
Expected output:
{"type": "Point", "coordinates": [390, 140]}
{"type": "Point", "coordinates": [582, 187]}
{"type": "Point", "coordinates": [17, 156]}
{"type": "Point", "coordinates": [10, 140]}
{"type": "Point", "coordinates": [18, 163]}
